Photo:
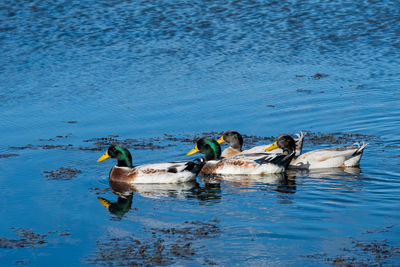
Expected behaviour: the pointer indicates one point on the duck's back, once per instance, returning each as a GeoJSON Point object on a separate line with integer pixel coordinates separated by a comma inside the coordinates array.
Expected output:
{"type": "Point", "coordinates": [329, 157]}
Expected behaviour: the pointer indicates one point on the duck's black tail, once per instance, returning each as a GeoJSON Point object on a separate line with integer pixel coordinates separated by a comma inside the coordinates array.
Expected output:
{"type": "Point", "coordinates": [195, 165]}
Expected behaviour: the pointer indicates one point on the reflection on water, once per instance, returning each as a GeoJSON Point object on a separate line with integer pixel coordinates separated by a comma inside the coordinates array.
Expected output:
{"type": "Point", "coordinates": [211, 190]}
{"type": "Point", "coordinates": [179, 190]}
{"type": "Point", "coordinates": [208, 192]}
{"type": "Point", "coordinates": [119, 208]}
{"type": "Point", "coordinates": [345, 173]}
{"type": "Point", "coordinates": [280, 182]}
{"type": "Point", "coordinates": [241, 180]}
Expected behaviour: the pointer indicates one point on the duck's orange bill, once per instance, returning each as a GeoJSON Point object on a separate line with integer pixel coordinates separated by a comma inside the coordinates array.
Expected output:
{"type": "Point", "coordinates": [221, 140]}
{"type": "Point", "coordinates": [272, 147]}
{"type": "Point", "coordinates": [104, 202]}
{"type": "Point", "coordinates": [104, 157]}
{"type": "Point", "coordinates": [193, 151]}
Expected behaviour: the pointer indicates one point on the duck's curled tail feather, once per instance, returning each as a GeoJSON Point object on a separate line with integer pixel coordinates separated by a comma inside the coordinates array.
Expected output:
{"type": "Point", "coordinates": [354, 160]}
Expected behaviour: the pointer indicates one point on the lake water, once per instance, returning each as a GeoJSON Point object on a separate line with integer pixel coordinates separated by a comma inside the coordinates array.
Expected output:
{"type": "Point", "coordinates": [78, 75]}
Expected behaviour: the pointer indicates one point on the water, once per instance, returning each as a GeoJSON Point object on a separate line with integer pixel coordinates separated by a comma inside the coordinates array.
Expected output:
{"type": "Point", "coordinates": [162, 73]}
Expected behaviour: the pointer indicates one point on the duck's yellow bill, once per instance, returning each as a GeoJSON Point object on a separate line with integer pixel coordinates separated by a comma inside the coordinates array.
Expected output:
{"type": "Point", "coordinates": [104, 202]}
{"type": "Point", "coordinates": [221, 140]}
{"type": "Point", "coordinates": [104, 157]}
{"type": "Point", "coordinates": [193, 151]}
{"type": "Point", "coordinates": [272, 147]}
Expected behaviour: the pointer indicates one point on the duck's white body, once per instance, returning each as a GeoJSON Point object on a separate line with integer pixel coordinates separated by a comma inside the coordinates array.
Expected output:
{"type": "Point", "coordinates": [345, 156]}
{"type": "Point", "coordinates": [259, 149]}
{"type": "Point", "coordinates": [157, 173]}
{"type": "Point", "coordinates": [248, 164]}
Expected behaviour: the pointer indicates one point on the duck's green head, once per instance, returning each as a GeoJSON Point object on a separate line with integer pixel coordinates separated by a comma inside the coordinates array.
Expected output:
{"type": "Point", "coordinates": [234, 138]}
{"type": "Point", "coordinates": [285, 142]}
{"type": "Point", "coordinates": [120, 153]}
{"type": "Point", "coordinates": [209, 147]}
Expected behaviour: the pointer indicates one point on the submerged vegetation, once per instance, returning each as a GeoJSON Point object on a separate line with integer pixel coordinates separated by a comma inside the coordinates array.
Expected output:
{"type": "Point", "coordinates": [168, 140]}
{"type": "Point", "coordinates": [163, 246]}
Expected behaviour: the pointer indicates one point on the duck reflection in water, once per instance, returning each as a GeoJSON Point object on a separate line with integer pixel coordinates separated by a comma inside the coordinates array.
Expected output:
{"type": "Point", "coordinates": [209, 192]}
{"type": "Point", "coordinates": [247, 181]}
{"type": "Point", "coordinates": [347, 173]}
{"type": "Point", "coordinates": [282, 183]}
{"type": "Point", "coordinates": [124, 201]}
{"type": "Point", "coordinates": [288, 184]}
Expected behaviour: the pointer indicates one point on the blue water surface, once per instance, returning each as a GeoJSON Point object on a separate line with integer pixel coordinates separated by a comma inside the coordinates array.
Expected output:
{"type": "Point", "coordinates": [164, 72]}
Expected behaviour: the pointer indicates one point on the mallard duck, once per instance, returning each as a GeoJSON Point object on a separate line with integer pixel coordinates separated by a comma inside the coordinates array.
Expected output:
{"type": "Point", "coordinates": [344, 156]}
{"type": "Point", "coordinates": [156, 173]}
{"type": "Point", "coordinates": [255, 163]}
{"type": "Point", "coordinates": [235, 141]}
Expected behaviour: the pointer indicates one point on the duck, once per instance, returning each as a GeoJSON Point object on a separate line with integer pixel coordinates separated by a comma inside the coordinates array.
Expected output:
{"type": "Point", "coordinates": [155, 173]}
{"type": "Point", "coordinates": [242, 164]}
{"type": "Point", "coordinates": [344, 156]}
{"type": "Point", "coordinates": [235, 140]}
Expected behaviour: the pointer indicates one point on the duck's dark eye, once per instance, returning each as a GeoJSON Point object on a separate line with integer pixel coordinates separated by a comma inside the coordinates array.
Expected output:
{"type": "Point", "coordinates": [111, 150]}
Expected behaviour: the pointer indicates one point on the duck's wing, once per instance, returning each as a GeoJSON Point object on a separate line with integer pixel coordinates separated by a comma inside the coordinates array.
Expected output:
{"type": "Point", "coordinates": [264, 158]}
{"type": "Point", "coordinates": [167, 172]}
{"type": "Point", "coordinates": [168, 167]}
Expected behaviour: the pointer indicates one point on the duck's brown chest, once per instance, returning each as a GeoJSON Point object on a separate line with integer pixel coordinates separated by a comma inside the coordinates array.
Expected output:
{"type": "Point", "coordinates": [119, 174]}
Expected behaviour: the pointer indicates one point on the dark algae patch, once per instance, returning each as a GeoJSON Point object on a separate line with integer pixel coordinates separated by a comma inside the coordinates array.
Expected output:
{"type": "Point", "coordinates": [9, 155]}
{"type": "Point", "coordinates": [363, 253]}
{"type": "Point", "coordinates": [165, 246]}
{"type": "Point", "coordinates": [61, 147]}
{"type": "Point", "coordinates": [168, 140]}
{"type": "Point", "coordinates": [318, 76]}
{"type": "Point", "coordinates": [152, 143]}
{"type": "Point", "coordinates": [129, 251]}
{"type": "Point", "coordinates": [62, 173]}
{"type": "Point", "coordinates": [307, 91]}
{"type": "Point", "coordinates": [336, 138]}
{"type": "Point", "coordinates": [192, 230]}
{"type": "Point", "coordinates": [135, 144]}
{"type": "Point", "coordinates": [50, 145]}
{"type": "Point", "coordinates": [58, 137]}
{"type": "Point", "coordinates": [28, 146]}
{"type": "Point", "coordinates": [26, 239]}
